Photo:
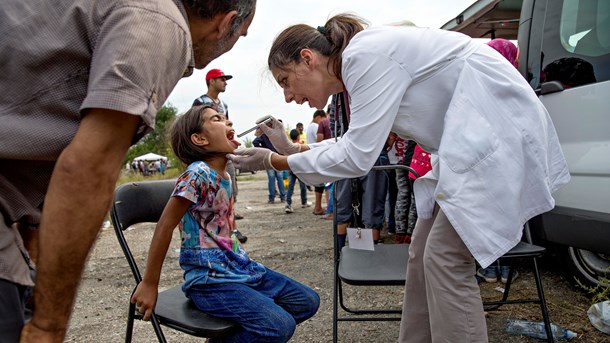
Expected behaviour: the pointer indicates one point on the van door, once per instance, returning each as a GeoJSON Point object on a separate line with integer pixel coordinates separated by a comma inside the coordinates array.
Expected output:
{"type": "Point", "coordinates": [568, 63]}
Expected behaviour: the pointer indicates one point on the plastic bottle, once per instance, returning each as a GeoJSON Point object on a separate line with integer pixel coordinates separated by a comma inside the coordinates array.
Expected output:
{"type": "Point", "coordinates": [537, 330]}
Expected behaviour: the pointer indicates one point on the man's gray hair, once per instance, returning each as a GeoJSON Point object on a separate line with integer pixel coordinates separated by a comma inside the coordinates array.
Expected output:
{"type": "Point", "coordinates": [208, 9]}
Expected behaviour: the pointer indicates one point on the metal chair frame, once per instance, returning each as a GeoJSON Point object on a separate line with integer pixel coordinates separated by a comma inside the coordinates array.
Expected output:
{"type": "Point", "coordinates": [525, 249]}
{"type": "Point", "coordinates": [386, 266]}
{"type": "Point", "coordinates": [391, 262]}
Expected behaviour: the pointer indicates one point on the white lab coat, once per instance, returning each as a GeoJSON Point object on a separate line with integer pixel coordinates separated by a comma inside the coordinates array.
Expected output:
{"type": "Point", "coordinates": [496, 156]}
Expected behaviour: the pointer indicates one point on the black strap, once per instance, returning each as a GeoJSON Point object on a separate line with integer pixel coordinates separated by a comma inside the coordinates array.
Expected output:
{"type": "Point", "coordinates": [355, 187]}
{"type": "Point", "coordinates": [342, 109]}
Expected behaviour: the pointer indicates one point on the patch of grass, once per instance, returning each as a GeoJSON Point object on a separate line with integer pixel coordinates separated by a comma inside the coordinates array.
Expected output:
{"type": "Point", "coordinates": [600, 292]}
{"type": "Point", "coordinates": [246, 177]}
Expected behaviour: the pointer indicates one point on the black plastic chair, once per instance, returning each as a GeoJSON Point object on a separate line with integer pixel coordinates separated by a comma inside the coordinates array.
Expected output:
{"type": "Point", "coordinates": [385, 266]}
{"type": "Point", "coordinates": [524, 250]}
{"type": "Point", "coordinates": [140, 202]}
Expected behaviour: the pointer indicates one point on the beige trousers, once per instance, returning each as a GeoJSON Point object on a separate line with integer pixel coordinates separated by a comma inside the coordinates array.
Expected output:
{"type": "Point", "coordinates": [442, 301]}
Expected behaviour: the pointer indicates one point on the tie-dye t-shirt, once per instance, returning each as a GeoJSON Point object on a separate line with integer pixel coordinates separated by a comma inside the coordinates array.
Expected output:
{"type": "Point", "coordinates": [209, 253]}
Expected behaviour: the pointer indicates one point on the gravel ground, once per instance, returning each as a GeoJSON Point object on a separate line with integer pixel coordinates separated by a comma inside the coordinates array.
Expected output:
{"type": "Point", "coordinates": [300, 246]}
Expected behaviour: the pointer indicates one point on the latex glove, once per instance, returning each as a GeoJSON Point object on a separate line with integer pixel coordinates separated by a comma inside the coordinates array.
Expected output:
{"type": "Point", "coordinates": [277, 135]}
{"type": "Point", "coordinates": [251, 159]}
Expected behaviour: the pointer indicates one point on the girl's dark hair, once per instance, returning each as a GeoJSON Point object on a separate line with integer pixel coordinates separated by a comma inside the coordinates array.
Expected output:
{"type": "Point", "coordinates": [329, 40]}
{"type": "Point", "coordinates": [185, 125]}
{"type": "Point", "coordinates": [208, 9]}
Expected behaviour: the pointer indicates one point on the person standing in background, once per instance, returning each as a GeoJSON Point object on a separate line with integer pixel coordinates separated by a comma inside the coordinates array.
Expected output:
{"type": "Point", "coordinates": [312, 133]}
{"type": "Point", "coordinates": [273, 176]}
{"type": "Point", "coordinates": [312, 128]}
{"type": "Point", "coordinates": [302, 136]}
{"type": "Point", "coordinates": [292, 180]}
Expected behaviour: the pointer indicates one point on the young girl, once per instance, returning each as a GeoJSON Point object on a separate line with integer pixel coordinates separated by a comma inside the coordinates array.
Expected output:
{"type": "Point", "coordinates": [219, 277]}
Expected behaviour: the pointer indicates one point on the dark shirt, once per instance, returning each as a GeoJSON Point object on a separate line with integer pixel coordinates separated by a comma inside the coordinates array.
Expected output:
{"type": "Point", "coordinates": [263, 141]}
{"type": "Point", "coordinates": [324, 128]}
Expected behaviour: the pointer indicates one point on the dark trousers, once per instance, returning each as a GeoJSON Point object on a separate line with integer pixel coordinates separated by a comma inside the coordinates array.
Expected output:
{"type": "Point", "coordinates": [13, 311]}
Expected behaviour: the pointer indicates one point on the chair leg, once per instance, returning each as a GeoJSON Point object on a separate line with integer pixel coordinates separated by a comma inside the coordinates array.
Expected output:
{"type": "Point", "coordinates": [335, 305]}
{"type": "Point", "coordinates": [543, 308]}
{"type": "Point", "coordinates": [494, 305]}
{"type": "Point", "coordinates": [157, 326]}
{"type": "Point", "coordinates": [340, 288]}
{"type": "Point", "coordinates": [129, 332]}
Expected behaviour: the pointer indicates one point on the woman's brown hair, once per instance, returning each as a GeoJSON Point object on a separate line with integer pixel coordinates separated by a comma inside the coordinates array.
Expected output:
{"type": "Point", "coordinates": [329, 40]}
{"type": "Point", "coordinates": [186, 125]}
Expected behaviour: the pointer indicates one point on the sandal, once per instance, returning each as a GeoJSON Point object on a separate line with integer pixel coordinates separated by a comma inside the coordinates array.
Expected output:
{"type": "Point", "coordinates": [319, 213]}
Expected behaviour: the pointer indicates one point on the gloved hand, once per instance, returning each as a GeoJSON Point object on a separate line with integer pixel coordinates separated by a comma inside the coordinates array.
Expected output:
{"type": "Point", "coordinates": [277, 135]}
{"type": "Point", "coordinates": [251, 159]}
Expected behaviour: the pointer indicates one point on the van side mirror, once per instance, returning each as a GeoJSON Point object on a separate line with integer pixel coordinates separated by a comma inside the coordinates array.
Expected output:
{"type": "Point", "coordinates": [549, 87]}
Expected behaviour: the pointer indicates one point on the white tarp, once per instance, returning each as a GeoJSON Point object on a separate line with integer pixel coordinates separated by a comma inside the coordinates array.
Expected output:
{"type": "Point", "coordinates": [150, 157]}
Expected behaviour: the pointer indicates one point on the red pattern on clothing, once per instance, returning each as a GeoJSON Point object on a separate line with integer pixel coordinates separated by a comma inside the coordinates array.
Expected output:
{"type": "Point", "coordinates": [420, 162]}
{"type": "Point", "coordinates": [401, 146]}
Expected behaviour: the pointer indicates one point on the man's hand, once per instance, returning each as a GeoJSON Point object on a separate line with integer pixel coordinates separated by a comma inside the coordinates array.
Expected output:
{"type": "Point", "coordinates": [251, 159]}
{"type": "Point", "coordinates": [145, 298]}
{"type": "Point", "coordinates": [277, 135]}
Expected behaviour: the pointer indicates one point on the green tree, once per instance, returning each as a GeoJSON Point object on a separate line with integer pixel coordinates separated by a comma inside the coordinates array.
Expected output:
{"type": "Point", "coordinates": [248, 142]}
{"type": "Point", "coordinates": [156, 141]}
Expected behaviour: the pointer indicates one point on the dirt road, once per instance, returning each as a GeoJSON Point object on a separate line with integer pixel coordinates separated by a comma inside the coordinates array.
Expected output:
{"type": "Point", "coordinates": [299, 245]}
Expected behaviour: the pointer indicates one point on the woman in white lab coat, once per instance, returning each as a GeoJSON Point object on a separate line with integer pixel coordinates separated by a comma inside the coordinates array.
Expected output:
{"type": "Point", "coordinates": [496, 157]}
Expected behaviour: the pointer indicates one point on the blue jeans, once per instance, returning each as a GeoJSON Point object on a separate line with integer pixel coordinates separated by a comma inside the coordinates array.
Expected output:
{"type": "Point", "coordinates": [292, 179]}
{"type": "Point", "coordinates": [391, 201]}
{"type": "Point", "coordinates": [372, 198]}
{"type": "Point", "coordinates": [329, 206]}
{"type": "Point", "coordinates": [272, 176]}
{"type": "Point", "coordinates": [267, 312]}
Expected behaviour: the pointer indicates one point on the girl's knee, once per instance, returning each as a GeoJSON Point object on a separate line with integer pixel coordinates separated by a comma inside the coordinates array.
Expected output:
{"type": "Point", "coordinates": [309, 306]}
{"type": "Point", "coordinates": [314, 303]}
{"type": "Point", "coordinates": [280, 329]}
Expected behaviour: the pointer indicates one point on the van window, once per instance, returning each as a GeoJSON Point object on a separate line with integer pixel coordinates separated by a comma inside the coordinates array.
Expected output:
{"type": "Point", "coordinates": [585, 27]}
{"type": "Point", "coordinates": [576, 42]}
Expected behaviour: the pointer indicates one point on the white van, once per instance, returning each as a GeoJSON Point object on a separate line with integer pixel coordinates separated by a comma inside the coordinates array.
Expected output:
{"type": "Point", "coordinates": [565, 55]}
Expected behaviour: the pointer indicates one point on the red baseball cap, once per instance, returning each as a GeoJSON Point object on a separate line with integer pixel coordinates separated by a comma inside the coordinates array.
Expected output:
{"type": "Point", "coordinates": [216, 73]}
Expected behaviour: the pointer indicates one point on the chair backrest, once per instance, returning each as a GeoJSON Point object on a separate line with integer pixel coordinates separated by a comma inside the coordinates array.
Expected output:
{"type": "Point", "coordinates": [141, 202]}
{"type": "Point", "coordinates": [138, 202]}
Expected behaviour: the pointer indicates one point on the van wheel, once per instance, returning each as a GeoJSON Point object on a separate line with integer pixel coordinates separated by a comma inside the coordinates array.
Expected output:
{"type": "Point", "coordinates": [590, 268]}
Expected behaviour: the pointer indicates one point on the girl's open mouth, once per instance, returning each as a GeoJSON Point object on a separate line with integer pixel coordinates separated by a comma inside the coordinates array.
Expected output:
{"type": "Point", "coordinates": [231, 138]}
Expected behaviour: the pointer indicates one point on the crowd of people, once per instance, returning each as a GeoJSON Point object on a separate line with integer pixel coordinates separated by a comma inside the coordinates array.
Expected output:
{"type": "Point", "coordinates": [386, 197]}
{"type": "Point", "coordinates": [99, 85]}
{"type": "Point", "coordinates": [147, 167]}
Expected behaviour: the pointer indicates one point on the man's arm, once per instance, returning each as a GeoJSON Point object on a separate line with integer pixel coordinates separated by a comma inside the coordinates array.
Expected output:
{"type": "Point", "coordinates": [78, 197]}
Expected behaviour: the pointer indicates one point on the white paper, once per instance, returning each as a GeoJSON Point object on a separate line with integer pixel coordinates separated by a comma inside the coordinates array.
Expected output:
{"type": "Point", "coordinates": [363, 242]}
